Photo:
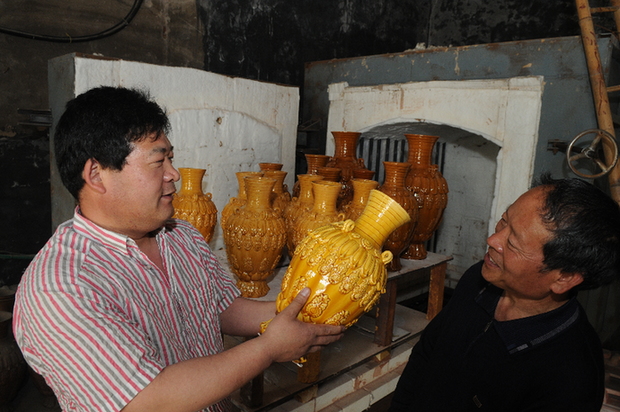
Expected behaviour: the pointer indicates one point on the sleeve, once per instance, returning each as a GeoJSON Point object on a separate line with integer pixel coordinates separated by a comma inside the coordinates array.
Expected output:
{"type": "Point", "coordinates": [93, 357]}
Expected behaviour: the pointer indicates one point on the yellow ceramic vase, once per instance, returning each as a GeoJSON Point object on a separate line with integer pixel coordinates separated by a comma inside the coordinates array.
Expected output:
{"type": "Point", "coordinates": [254, 236]}
{"type": "Point", "coordinates": [194, 206]}
{"type": "Point", "coordinates": [280, 195]}
{"type": "Point", "coordinates": [361, 192]}
{"type": "Point", "coordinates": [298, 206]}
{"type": "Point", "coordinates": [343, 265]}
{"type": "Point", "coordinates": [236, 202]}
{"type": "Point", "coordinates": [323, 211]}
{"type": "Point", "coordinates": [314, 161]}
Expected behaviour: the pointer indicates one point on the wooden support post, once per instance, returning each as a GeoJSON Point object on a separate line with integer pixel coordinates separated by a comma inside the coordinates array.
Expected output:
{"type": "Point", "coordinates": [385, 315]}
{"type": "Point", "coordinates": [435, 290]}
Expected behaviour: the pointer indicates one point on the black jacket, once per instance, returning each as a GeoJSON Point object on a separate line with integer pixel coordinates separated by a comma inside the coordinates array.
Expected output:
{"type": "Point", "coordinates": [467, 361]}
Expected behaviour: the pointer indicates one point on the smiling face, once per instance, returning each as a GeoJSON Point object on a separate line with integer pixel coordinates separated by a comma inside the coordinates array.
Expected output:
{"type": "Point", "coordinates": [514, 259]}
{"type": "Point", "coordinates": [139, 197]}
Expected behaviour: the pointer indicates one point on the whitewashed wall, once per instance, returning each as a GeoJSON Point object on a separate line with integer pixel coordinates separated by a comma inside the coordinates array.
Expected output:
{"type": "Point", "coordinates": [219, 123]}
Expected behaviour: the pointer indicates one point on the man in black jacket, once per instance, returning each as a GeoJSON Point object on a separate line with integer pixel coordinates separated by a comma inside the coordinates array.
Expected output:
{"type": "Point", "coordinates": [513, 336]}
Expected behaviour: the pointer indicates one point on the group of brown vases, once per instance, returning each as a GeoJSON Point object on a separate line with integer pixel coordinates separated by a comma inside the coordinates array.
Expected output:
{"type": "Point", "coordinates": [264, 222]}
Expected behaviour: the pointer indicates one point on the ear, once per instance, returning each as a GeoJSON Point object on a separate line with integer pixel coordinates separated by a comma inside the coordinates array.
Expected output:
{"type": "Point", "coordinates": [92, 176]}
{"type": "Point", "coordinates": [565, 282]}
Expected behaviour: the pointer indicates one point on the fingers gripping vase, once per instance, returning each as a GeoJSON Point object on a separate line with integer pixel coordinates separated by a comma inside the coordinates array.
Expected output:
{"type": "Point", "coordinates": [430, 189]}
{"type": "Point", "coordinates": [193, 205]}
{"type": "Point", "coordinates": [254, 235]}
{"type": "Point", "coordinates": [343, 265]}
{"type": "Point", "coordinates": [394, 186]}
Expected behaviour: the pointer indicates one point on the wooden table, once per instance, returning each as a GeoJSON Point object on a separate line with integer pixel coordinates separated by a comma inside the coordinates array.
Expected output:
{"type": "Point", "coordinates": [370, 343]}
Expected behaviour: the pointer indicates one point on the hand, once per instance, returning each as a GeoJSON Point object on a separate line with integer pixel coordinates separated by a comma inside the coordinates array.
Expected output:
{"type": "Point", "coordinates": [290, 338]}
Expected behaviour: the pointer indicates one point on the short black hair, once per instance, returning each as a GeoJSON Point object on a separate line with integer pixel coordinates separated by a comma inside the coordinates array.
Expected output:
{"type": "Point", "coordinates": [585, 223]}
{"type": "Point", "coordinates": [103, 124]}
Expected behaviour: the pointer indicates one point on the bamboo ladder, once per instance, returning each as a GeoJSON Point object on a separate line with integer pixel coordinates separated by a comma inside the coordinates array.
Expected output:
{"type": "Point", "coordinates": [599, 88]}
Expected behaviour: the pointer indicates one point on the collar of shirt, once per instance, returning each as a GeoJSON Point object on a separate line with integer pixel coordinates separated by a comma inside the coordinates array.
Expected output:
{"type": "Point", "coordinates": [522, 334]}
{"type": "Point", "coordinates": [108, 238]}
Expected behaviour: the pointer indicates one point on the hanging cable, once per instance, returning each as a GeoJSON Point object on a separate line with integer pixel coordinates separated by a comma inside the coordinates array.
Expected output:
{"type": "Point", "coordinates": [69, 39]}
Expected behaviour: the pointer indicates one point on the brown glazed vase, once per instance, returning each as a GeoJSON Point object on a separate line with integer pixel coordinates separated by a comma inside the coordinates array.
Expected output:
{"type": "Point", "coordinates": [298, 206]}
{"type": "Point", "coordinates": [280, 195]}
{"type": "Point", "coordinates": [254, 235]}
{"type": "Point", "coordinates": [240, 199]}
{"type": "Point", "coordinates": [194, 206]}
{"type": "Point", "coordinates": [363, 174]}
{"type": "Point", "coordinates": [332, 174]}
{"type": "Point", "coordinates": [430, 189]}
{"type": "Point", "coordinates": [361, 192]}
{"type": "Point", "coordinates": [394, 186]}
{"type": "Point", "coordinates": [322, 213]}
{"type": "Point", "coordinates": [13, 368]}
{"type": "Point", "coordinates": [346, 160]}
{"type": "Point", "coordinates": [314, 161]}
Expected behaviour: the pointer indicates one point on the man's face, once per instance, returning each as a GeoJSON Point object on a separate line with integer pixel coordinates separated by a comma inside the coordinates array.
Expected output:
{"type": "Point", "coordinates": [515, 255]}
{"type": "Point", "coordinates": [140, 195]}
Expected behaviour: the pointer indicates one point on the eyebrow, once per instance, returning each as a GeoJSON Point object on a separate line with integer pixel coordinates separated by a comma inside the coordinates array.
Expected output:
{"type": "Point", "coordinates": [162, 150]}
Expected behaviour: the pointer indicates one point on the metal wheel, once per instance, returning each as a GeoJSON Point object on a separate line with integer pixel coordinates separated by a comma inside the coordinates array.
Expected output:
{"type": "Point", "coordinates": [592, 152]}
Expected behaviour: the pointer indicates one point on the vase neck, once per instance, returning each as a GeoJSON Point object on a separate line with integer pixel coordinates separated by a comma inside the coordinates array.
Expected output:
{"type": "Point", "coordinates": [191, 180]}
{"type": "Point", "coordinates": [316, 161]}
{"type": "Point", "coordinates": [305, 188]}
{"type": "Point", "coordinates": [325, 196]}
{"type": "Point", "coordinates": [361, 190]}
{"type": "Point", "coordinates": [258, 191]}
{"type": "Point", "coordinates": [395, 173]}
{"type": "Point", "coordinates": [345, 144]}
{"type": "Point", "coordinates": [242, 195]}
{"type": "Point", "coordinates": [380, 218]}
{"type": "Point", "coordinates": [420, 148]}
{"type": "Point", "coordinates": [279, 176]}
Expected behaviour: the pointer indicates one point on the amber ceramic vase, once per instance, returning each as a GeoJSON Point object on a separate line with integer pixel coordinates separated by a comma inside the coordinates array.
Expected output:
{"type": "Point", "coordinates": [254, 236]}
{"type": "Point", "coordinates": [280, 195]}
{"type": "Point", "coordinates": [314, 162]}
{"type": "Point", "coordinates": [13, 369]}
{"type": "Point", "coordinates": [430, 189]}
{"type": "Point", "coordinates": [322, 213]}
{"type": "Point", "coordinates": [191, 204]}
{"type": "Point", "coordinates": [346, 160]}
{"type": "Point", "coordinates": [343, 265]}
{"type": "Point", "coordinates": [361, 192]}
{"type": "Point", "coordinates": [394, 186]}
{"type": "Point", "coordinates": [299, 206]}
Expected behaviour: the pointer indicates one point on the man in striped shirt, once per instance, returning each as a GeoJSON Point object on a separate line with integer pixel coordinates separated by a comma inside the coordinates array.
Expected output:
{"type": "Point", "coordinates": [124, 307]}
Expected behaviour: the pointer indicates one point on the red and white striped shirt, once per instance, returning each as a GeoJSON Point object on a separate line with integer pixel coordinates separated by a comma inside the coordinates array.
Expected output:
{"type": "Point", "coordinates": [99, 320]}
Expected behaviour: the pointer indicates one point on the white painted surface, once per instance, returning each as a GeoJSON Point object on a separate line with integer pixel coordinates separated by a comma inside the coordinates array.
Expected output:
{"type": "Point", "coordinates": [219, 123]}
